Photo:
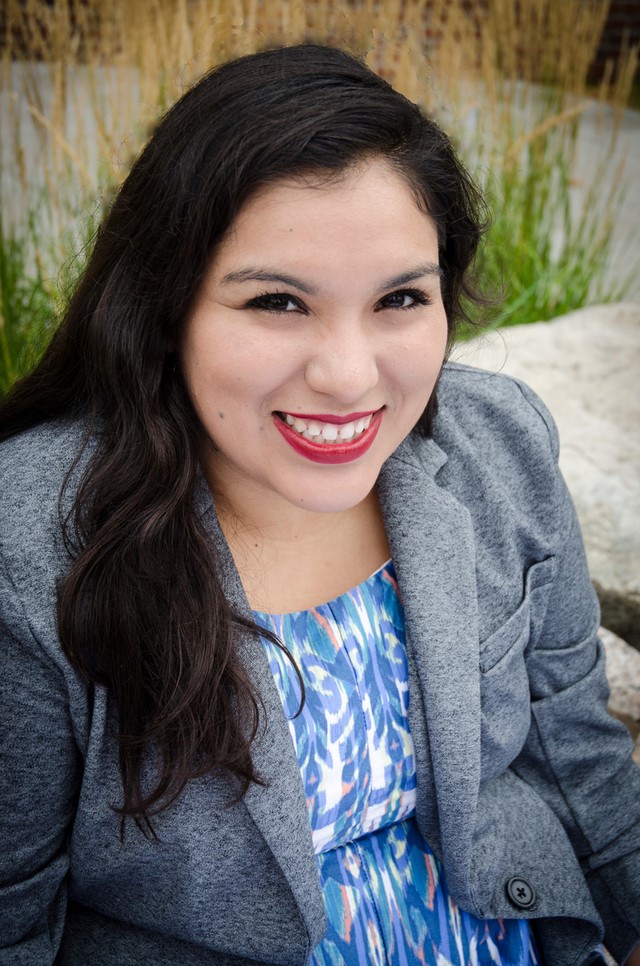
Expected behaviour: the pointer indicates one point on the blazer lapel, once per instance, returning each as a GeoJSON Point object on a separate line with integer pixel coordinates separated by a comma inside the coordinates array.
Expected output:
{"type": "Point", "coordinates": [279, 809]}
{"type": "Point", "coordinates": [431, 540]}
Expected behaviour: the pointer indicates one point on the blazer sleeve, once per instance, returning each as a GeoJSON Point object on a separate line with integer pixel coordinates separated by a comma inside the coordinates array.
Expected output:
{"type": "Point", "coordinates": [39, 779]}
{"type": "Point", "coordinates": [577, 756]}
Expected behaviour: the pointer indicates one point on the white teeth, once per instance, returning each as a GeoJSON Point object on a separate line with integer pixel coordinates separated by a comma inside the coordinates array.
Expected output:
{"type": "Point", "coordinates": [348, 431]}
{"type": "Point", "coordinates": [328, 432]}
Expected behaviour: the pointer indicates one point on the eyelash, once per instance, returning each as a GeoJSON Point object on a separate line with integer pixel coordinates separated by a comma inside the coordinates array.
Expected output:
{"type": "Point", "coordinates": [266, 301]}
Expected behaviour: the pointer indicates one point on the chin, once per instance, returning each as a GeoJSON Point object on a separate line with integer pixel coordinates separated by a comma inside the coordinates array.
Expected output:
{"type": "Point", "coordinates": [334, 497]}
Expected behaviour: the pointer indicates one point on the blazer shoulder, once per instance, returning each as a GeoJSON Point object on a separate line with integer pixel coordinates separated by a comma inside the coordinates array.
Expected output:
{"type": "Point", "coordinates": [494, 408]}
{"type": "Point", "coordinates": [34, 466]}
{"type": "Point", "coordinates": [501, 455]}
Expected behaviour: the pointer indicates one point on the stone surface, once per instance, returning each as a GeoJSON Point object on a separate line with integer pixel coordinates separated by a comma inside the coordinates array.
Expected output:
{"type": "Point", "coordinates": [586, 367]}
{"type": "Point", "coordinates": [623, 673]}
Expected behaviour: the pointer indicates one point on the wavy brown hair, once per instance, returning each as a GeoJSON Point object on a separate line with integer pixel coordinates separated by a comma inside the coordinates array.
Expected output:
{"type": "Point", "coordinates": [141, 608]}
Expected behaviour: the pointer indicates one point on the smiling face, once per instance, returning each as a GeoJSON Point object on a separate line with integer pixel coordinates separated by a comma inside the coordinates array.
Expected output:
{"type": "Point", "coordinates": [315, 341]}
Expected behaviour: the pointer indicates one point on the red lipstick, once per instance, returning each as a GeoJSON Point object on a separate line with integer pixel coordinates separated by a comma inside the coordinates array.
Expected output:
{"type": "Point", "coordinates": [332, 453]}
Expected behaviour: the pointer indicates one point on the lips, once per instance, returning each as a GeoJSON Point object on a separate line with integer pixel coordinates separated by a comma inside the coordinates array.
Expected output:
{"type": "Point", "coordinates": [362, 427]}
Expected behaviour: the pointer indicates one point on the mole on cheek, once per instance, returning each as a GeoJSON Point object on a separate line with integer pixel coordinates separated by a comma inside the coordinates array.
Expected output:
{"type": "Point", "coordinates": [221, 414]}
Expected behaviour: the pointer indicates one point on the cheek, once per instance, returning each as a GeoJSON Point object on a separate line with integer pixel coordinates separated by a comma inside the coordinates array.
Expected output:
{"type": "Point", "coordinates": [215, 366]}
{"type": "Point", "coordinates": [416, 363]}
{"type": "Point", "coordinates": [221, 393]}
{"type": "Point", "coordinates": [421, 366]}
{"type": "Point", "coordinates": [238, 380]}
{"type": "Point", "coordinates": [416, 367]}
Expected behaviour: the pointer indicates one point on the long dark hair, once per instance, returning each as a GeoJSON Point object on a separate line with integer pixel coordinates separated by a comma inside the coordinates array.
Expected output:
{"type": "Point", "coordinates": [141, 609]}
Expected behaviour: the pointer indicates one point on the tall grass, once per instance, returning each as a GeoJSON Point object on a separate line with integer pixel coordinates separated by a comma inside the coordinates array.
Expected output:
{"type": "Point", "coordinates": [31, 302]}
{"type": "Point", "coordinates": [25, 311]}
{"type": "Point", "coordinates": [507, 79]}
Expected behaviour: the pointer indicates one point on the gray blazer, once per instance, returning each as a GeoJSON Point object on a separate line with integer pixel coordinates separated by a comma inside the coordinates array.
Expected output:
{"type": "Point", "coordinates": [521, 773]}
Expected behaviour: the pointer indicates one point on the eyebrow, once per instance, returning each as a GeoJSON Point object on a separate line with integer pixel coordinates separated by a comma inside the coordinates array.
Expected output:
{"type": "Point", "coordinates": [265, 275]}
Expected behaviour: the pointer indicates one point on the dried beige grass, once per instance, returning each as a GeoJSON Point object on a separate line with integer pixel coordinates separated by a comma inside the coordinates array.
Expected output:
{"type": "Point", "coordinates": [100, 73]}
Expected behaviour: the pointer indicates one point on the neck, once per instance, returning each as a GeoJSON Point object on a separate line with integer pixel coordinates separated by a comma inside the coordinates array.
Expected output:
{"type": "Point", "coordinates": [298, 560]}
{"type": "Point", "coordinates": [291, 526]}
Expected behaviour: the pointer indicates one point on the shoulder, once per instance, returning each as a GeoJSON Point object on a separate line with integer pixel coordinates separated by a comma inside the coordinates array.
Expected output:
{"type": "Point", "coordinates": [498, 448]}
{"type": "Point", "coordinates": [34, 466]}
{"type": "Point", "coordinates": [494, 409]}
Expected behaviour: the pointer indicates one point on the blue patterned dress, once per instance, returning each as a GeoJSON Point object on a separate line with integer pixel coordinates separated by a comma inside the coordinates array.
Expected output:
{"type": "Point", "coordinates": [384, 892]}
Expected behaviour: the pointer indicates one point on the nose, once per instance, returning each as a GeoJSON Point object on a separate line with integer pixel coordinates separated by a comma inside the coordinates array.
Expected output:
{"type": "Point", "coordinates": [343, 364]}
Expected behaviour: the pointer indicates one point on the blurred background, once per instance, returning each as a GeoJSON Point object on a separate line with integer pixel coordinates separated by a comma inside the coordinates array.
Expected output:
{"type": "Point", "coordinates": [536, 95]}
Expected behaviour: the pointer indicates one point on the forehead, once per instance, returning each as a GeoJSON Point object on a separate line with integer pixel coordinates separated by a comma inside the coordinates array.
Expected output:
{"type": "Point", "coordinates": [367, 209]}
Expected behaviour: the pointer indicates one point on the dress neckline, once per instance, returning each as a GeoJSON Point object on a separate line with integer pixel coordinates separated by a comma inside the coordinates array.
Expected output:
{"type": "Point", "coordinates": [328, 603]}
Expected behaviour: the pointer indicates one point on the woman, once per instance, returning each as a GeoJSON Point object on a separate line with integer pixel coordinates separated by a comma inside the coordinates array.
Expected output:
{"type": "Point", "coordinates": [298, 664]}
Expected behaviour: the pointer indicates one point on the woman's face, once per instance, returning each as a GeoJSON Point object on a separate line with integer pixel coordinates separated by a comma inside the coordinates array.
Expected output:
{"type": "Point", "coordinates": [315, 341]}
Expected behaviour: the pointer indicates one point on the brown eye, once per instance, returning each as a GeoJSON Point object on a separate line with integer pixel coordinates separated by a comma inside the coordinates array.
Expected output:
{"type": "Point", "coordinates": [278, 302]}
{"type": "Point", "coordinates": [406, 298]}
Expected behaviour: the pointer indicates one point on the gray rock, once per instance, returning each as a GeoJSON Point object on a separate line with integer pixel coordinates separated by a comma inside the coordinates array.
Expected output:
{"type": "Point", "coordinates": [623, 674]}
{"type": "Point", "coordinates": [586, 367]}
